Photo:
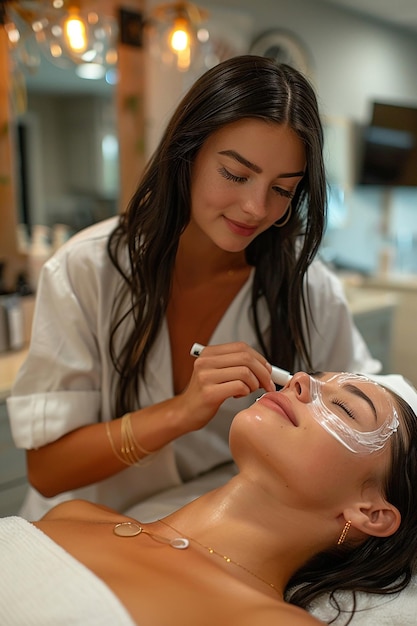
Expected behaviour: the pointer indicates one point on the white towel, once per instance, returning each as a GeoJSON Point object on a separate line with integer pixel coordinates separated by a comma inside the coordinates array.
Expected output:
{"type": "Point", "coordinates": [42, 585]}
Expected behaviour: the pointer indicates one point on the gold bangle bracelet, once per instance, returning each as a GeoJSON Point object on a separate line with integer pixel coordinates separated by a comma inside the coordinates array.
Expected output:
{"type": "Point", "coordinates": [113, 447]}
{"type": "Point", "coordinates": [131, 452]}
{"type": "Point", "coordinates": [130, 434]}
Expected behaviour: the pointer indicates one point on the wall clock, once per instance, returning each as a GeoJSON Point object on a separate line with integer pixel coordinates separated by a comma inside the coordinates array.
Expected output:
{"type": "Point", "coordinates": [284, 47]}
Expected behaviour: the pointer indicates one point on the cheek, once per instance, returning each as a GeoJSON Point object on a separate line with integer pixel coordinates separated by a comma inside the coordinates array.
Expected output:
{"type": "Point", "coordinates": [322, 465]}
{"type": "Point", "coordinates": [333, 469]}
{"type": "Point", "coordinates": [325, 473]}
{"type": "Point", "coordinates": [324, 455]}
{"type": "Point", "coordinates": [208, 193]}
{"type": "Point", "coordinates": [280, 207]}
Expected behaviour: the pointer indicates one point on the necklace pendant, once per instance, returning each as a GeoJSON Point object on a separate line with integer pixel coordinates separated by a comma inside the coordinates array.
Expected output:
{"type": "Point", "coordinates": [127, 529]}
{"type": "Point", "coordinates": [179, 543]}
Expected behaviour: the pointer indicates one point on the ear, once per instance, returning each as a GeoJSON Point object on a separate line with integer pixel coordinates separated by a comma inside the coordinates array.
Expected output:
{"type": "Point", "coordinates": [377, 518]}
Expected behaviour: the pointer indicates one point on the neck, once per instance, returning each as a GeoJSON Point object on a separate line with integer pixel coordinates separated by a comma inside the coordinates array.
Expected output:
{"type": "Point", "coordinates": [199, 259]}
{"type": "Point", "coordinates": [237, 521]}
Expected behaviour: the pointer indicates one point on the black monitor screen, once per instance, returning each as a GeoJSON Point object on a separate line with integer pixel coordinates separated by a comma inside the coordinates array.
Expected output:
{"type": "Point", "coordinates": [389, 147]}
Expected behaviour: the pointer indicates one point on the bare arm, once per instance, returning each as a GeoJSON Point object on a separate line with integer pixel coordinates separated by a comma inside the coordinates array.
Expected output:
{"type": "Point", "coordinates": [85, 455]}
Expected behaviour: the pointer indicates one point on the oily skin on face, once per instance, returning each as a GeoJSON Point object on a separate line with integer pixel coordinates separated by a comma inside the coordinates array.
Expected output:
{"type": "Point", "coordinates": [306, 460]}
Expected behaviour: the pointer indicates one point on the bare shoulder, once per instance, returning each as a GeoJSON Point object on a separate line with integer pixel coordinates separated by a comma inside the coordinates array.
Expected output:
{"type": "Point", "coordinates": [82, 510]}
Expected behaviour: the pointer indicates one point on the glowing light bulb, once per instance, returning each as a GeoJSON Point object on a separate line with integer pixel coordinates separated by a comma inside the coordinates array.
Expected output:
{"type": "Point", "coordinates": [180, 42]}
{"type": "Point", "coordinates": [75, 33]}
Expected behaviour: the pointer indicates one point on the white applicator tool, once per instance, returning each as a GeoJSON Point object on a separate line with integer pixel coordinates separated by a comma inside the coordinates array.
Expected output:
{"type": "Point", "coordinates": [279, 376]}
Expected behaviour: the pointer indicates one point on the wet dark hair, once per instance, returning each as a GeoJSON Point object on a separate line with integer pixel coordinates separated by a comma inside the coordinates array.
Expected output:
{"type": "Point", "coordinates": [379, 565]}
{"type": "Point", "coordinates": [159, 211]}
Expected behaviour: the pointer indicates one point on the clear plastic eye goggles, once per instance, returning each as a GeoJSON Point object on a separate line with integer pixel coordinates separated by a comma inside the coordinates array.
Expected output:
{"type": "Point", "coordinates": [348, 405]}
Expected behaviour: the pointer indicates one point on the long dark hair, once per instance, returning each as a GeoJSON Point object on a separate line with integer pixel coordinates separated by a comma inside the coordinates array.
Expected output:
{"type": "Point", "coordinates": [159, 211]}
{"type": "Point", "coordinates": [379, 565]}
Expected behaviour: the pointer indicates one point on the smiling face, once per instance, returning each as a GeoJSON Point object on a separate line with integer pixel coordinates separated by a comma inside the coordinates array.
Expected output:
{"type": "Point", "coordinates": [243, 179]}
{"type": "Point", "coordinates": [283, 433]}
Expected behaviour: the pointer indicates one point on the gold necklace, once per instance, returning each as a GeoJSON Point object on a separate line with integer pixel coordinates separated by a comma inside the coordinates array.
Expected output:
{"type": "Point", "coordinates": [220, 555]}
{"type": "Point", "coordinates": [132, 529]}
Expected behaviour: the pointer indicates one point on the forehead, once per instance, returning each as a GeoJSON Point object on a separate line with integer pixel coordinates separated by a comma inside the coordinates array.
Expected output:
{"type": "Point", "coordinates": [249, 126]}
{"type": "Point", "coordinates": [260, 138]}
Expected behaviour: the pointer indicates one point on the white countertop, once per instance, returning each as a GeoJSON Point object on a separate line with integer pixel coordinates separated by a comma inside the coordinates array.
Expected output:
{"type": "Point", "coordinates": [362, 300]}
{"type": "Point", "coordinates": [390, 281]}
{"type": "Point", "coordinates": [393, 282]}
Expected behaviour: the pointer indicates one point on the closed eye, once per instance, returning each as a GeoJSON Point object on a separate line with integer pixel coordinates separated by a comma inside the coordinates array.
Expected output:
{"type": "Point", "coordinates": [242, 179]}
{"type": "Point", "coordinates": [229, 176]}
{"type": "Point", "coordinates": [346, 408]}
{"type": "Point", "coordinates": [284, 192]}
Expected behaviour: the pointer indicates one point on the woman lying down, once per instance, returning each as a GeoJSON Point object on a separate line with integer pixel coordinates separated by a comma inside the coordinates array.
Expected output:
{"type": "Point", "coordinates": [325, 500]}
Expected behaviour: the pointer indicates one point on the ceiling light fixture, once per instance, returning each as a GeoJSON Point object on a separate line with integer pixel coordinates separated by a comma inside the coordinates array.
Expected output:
{"type": "Point", "coordinates": [176, 33]}
{"type": "Point", "coordinates": [69, 33]}
{"type": "Point", "coordinates": [76, 32]}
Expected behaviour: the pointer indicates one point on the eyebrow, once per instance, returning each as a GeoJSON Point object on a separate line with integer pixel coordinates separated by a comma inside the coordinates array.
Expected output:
{"type": "Point", "coordinates": [255, 168]}
{"type": "Point", "coordinates": [358, 392]}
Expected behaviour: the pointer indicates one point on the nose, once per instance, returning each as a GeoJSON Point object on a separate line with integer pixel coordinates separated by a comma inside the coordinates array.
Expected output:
{"type": "Point", "coordinates": [300, 385]}
{"type": "Point", "coordinates": [255, 203]}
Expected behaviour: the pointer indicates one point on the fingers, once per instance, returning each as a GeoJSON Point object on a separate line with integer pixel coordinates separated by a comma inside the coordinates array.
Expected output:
{"type": "Point", "coordinates": [235, 363]}
{"type": "Point", "coordinates": [224, 371]}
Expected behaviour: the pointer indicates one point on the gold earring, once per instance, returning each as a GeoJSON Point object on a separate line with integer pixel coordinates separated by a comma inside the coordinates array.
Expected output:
{"type": "Point", "coordinates": [284, 220]}
{"type": "Point", "coordinates": [344, 533]}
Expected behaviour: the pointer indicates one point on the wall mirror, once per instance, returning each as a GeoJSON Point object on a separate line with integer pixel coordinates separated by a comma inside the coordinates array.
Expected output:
{"type": "Point", "coordinates": [67, 162]}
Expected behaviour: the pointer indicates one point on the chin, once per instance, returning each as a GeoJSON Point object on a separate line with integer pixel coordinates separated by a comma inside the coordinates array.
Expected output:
{"type": "Point", "coordinates": [247, 432]}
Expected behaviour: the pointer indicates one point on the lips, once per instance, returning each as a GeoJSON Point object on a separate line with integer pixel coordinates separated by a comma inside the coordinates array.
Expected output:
{"type": "Point", "coordinates": [279, 403]}
{"type": "Point", "coordinates": [240, 229]}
